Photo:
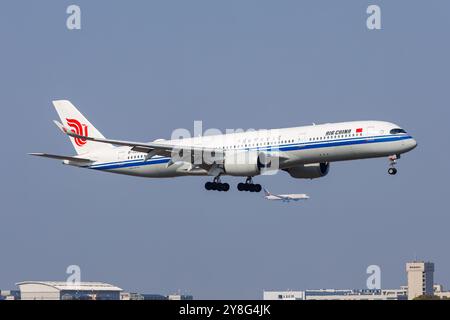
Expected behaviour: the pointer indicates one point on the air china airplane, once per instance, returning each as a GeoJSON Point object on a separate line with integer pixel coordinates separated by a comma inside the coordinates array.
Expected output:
{"type": "Point", "coordinates": [285, 197]}
{"type": "Point", "coordinates": [303, 152]}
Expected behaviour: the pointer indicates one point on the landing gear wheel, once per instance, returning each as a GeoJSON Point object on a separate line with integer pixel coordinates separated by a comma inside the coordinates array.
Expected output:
{"type": "Point", "coordinates": [392, 171]}
{"type": "Point", "coordinates": [249, 186]}
{"type": "Point", "coordinates": [217, 186]}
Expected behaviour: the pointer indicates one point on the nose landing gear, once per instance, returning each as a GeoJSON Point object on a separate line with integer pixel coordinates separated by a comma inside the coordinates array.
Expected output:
{"type": "Point", "coordinates": [393, 161]}
{"type": "Point", "coordinates": [249, 186]}
{"type": "Point", "coordinates": [392, 171]}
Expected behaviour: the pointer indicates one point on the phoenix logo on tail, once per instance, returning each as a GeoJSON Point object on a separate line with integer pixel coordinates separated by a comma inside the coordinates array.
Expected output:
{"type": "Point", "coordinates": [79, 129]}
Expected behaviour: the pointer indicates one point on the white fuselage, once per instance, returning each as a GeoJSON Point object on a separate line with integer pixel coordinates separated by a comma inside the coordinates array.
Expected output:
{"type": "Point", "coordinates": [296, 146]}
{"type": "Point", "coordinates": [287, 197]}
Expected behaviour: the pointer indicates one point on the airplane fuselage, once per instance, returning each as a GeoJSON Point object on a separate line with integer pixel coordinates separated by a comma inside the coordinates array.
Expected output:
{"type": "Point", "coordinates": [287, 197]}
{"type": "Point", "coordinates": [322, 143]}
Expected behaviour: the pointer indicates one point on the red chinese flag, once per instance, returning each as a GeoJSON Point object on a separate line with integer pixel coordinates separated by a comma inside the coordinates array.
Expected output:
{"type": "Point", "coordinates": [359, 130]}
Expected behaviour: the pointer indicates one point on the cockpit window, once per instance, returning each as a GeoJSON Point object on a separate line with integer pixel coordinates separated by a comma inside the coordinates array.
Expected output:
{"type": "Point", "coordinates": [397, 130]}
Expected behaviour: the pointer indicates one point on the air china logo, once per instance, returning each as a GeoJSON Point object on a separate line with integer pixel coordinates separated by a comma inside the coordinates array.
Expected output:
{"type": "Point", "coordinates": [79, 129]}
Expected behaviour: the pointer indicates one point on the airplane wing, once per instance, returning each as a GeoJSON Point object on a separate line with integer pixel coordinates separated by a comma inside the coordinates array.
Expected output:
{"type": "Point", "coordinates": [152, 148]}
{"type": "Point", "coordinates": [58, 157]}
{"type": "Point", "coordinates": [159, 148]}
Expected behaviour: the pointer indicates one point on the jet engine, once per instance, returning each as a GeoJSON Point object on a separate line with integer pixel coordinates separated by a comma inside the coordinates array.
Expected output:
{"type": "Point", "coordinates": [309, 171]}
{"type": "Point", "coordinates": [245, 164]}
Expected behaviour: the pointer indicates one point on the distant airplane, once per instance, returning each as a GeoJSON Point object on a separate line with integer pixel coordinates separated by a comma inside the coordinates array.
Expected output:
{"type": "Point", "coordinates": [303, 152]}
{"type": "Point", "coordinates": [285, 197]}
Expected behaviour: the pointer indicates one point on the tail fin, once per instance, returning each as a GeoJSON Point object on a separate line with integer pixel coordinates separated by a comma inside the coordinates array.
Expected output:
{"type": "Point", "coordinates": [72, 118]}
{"type": "Point", "coordinates": [266, 192]}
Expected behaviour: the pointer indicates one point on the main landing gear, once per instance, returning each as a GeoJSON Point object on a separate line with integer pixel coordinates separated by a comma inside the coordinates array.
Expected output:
{"type": "Point", "coordinates": [393, 161]}
{"type": "Point", "coordinates": [249, 186]}
{"type": "Point", "coordinates": [216, 185]}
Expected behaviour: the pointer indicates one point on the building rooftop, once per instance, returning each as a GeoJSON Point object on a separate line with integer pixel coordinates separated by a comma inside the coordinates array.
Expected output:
{"type": "Point", "coordinates": [80, 286]}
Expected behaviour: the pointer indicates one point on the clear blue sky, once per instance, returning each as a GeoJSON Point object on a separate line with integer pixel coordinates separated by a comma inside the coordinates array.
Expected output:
{"type": "Point", "coordinates": [139, 69]}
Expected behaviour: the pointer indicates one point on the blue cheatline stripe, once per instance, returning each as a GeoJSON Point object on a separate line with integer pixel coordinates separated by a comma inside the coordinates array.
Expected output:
{"type": "Point", "coordinates": [124, 164]}
{"type": "Point", "coordinates": [125, 161]}
{"type": "Point", "coordinates": [285, 147]}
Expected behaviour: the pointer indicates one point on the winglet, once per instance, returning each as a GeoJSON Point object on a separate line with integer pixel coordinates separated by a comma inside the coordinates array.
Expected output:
{"type": "Point", "coordinates": [60, 126]}
{"type": "Point", "coordinates": [70, 133]}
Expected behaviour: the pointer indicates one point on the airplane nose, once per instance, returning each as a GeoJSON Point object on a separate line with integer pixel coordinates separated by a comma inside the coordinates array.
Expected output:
{"type": "Point", "coordinates": [409, 144]}
{"type": "Point", "coordinates": [412, 144]}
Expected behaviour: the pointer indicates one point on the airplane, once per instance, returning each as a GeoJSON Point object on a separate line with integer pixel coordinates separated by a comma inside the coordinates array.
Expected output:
{"type": "Point", "coordinates": [304, 152]}
{"type": "Point", "coordinates": [285, 197]}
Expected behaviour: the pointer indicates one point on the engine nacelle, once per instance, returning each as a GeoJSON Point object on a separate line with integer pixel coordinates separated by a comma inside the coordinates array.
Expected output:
{"type": "Point", "coordinates": [243, 164]}
{"type": "Point", "coordinates": [309, 171]}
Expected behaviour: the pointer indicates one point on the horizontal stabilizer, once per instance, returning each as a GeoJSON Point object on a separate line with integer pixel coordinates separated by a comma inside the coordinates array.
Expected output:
{"type": "Point", "coordinates": [57, 157]}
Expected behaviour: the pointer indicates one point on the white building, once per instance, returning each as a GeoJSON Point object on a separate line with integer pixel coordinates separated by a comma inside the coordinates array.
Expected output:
{"type": "Point", "coordinates": [420, 278]}
{"type": "Point", "coordinates": [334, 294]}
{"type": "Point", "coordinates": [439, 291]}
{"type": "Point", "coordinates": [125, 296]}
{"type": "Point", "coordinates": [362, 294]}
{"type": "Point", "coordinates": [179, 297]}
{"type": "Point", "coordinates": [284, 295]}
{"type": "Point", "coordinates": [53, 290]}
{"type": "Point", "coordinates": [420, 282]}
{"type": "Point", "coordinates": [9, 295]}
